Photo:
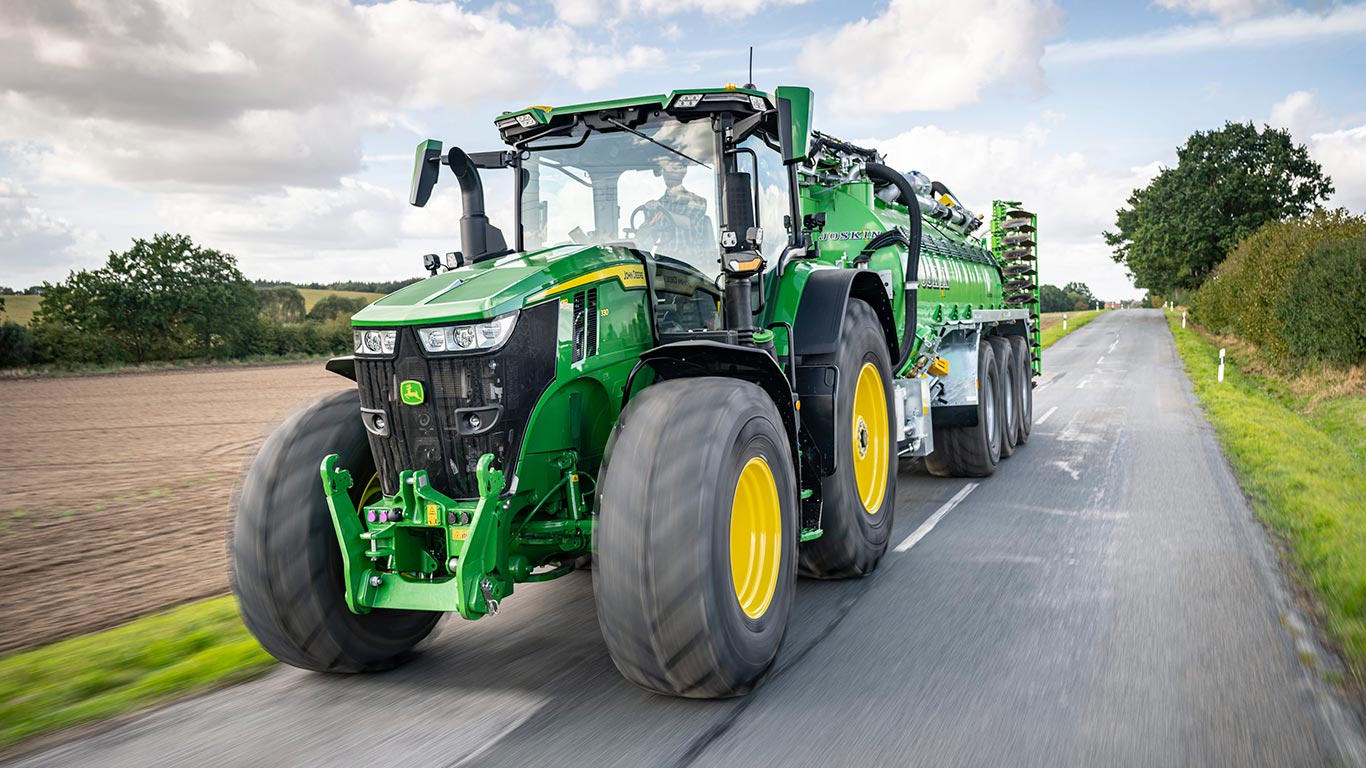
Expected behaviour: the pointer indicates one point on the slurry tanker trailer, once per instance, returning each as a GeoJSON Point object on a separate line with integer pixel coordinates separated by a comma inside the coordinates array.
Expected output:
{"type": "Point", "coordinates": [692, 365]}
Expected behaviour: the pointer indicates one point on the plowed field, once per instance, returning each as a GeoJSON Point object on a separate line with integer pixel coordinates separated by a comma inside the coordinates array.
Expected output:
{"type": "Point", "coordinates": [116, 488]}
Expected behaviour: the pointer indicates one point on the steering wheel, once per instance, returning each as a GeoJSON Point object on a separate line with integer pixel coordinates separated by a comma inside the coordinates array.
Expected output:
{"type": "Point", "coordinates": [656, 223]}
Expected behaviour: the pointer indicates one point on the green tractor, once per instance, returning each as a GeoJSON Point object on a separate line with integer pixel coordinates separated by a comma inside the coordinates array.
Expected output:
{"type": "Point", "coordinates": [695, 362]}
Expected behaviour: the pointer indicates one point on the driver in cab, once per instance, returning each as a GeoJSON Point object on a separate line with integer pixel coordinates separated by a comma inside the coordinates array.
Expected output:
{"type": "Point", "coordinates": [677, 223]}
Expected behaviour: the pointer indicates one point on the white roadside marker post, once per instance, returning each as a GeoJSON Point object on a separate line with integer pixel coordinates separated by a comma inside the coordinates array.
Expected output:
{"type": "Point", "coordinates": [1183, 319]}
{"type": "Point", "coordinates": [1064, 321]}
{"type": "Point", "coordinates": [1221, 365]}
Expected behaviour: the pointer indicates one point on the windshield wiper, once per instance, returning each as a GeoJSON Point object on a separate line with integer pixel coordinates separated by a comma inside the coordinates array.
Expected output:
{"type": "Point", "coordinates": [656, 142]}
{"type": "Point", "coordinates": [566, 172]}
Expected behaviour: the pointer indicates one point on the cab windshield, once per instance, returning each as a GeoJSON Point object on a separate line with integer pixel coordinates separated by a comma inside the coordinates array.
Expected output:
{"type": "Point", "coordinates": [655, 194]}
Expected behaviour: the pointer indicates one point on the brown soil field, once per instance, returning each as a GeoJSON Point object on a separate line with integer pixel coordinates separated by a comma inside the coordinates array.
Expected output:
{"type": "Point", "coordinates": [117, 488]}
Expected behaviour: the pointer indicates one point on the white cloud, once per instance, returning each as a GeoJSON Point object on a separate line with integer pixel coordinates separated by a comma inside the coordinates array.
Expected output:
{"type": "Point", "coordinates": [1226, 10]}
{"type": "Point", "coordinates": [1340, 150]}
{"type": "Point", "coordinates": [1264, 32]}
{"type": "Point", "coordinates": [1075, 200]}
{"type": "Point", "coordinates": [1298, 113]}
{"type": "Point", "coordinates": [31, 236]}
{"type": "Point", "coordinates": [195, 93]}
{"type": "Point", "coordinates": [582, 13]}
{"type": "Point", "coordinates": [917, 56]}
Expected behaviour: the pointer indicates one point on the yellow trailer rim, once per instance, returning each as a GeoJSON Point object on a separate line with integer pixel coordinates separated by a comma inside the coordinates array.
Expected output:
{"type": "Point", "coordinates": [872, 439]}
{"type": "Point", "coordinates": [756, 538]}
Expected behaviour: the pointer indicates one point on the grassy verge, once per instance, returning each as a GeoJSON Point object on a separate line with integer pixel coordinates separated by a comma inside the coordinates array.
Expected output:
{"type": "Point", "coordinates": [1052, 332]}
{"type": "Point", "coordinates": [1300, 459]}
{"type": "Point", "coordinates": [184, 650]}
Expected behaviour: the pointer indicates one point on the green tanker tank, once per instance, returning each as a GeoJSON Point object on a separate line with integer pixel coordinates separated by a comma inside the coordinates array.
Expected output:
{"type": "Point", "coordinates": [695, 361]}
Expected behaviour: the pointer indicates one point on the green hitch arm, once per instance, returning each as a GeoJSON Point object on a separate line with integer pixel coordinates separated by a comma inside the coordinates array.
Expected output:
{"type": "Point", "coordinates": [346, 522]}
{"type": "Point", "coordinates": [483, 568]}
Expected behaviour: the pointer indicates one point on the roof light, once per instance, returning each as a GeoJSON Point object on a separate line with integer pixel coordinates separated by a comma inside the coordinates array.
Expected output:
{"type": "Point", "coordinates": [758, 103]}
{"type": "Point", "coordinates": [687, 100]}
{"type": "Point", "coordinates": [526, 120]}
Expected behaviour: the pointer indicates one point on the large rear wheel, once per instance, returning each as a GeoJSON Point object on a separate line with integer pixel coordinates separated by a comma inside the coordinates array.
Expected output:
{"type": "Point", "coordinates": [1025, 386]}
{"type": "Point", "coordinates": [859, 498]}
{"type": "Point", "coordinates": [287, 568]}
{"type": "Point", "coordinates": [973, 451]}
{"type": "Point", "coordinates": [695, 561]}
{"type": "Point", "coordinates": [1010, 393]}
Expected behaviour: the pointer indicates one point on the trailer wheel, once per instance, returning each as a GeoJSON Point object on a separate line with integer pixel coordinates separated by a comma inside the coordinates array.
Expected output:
{"type": "Point", "coordinates": [1025, 385]}
{"type": "Point", "coordinates": [694, 562]}
{"type": "Point", "coordinates": [1010, 393]}
{"type": "Point", "coordinates": [287, 568]}
{"type": "Point", "coordinates": [973, 451]}
{"type": "Point", "coordinates": [860, 497]}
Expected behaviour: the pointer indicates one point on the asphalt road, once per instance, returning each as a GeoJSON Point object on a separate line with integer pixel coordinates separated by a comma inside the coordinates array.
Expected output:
{"type": "Point", "coordinates": [1106, 598]}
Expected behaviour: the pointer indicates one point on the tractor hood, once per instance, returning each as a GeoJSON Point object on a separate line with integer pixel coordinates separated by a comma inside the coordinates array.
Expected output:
{"type": "Point", "coordinates": [496, 286]}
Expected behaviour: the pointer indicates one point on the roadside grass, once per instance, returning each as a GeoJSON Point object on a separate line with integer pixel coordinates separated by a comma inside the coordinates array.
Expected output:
{"type": "Point", "coordinates": [1052, 324]}
{"type": "Point", "coordinates": [1300, 460]}
{"type": "Point", "coordinates": [184, 650]}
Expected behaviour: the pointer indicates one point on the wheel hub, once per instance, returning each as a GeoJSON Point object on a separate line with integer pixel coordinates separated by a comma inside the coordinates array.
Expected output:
{"type": "Point", "coordinates": [871, 439]}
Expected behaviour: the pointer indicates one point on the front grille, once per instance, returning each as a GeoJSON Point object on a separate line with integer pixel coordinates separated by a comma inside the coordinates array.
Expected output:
{"type": "Point", "coordinates": [500, 388]}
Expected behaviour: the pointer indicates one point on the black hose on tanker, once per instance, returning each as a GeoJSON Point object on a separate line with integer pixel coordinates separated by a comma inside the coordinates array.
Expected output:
{"type": "Point", "coordinates": [880, 172]}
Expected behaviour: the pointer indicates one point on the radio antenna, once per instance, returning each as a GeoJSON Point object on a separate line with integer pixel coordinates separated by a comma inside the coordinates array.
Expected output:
{"type": "Point", "coordinates": [750, 83]}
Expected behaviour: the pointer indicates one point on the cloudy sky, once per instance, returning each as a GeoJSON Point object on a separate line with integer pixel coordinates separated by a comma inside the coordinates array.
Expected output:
{"type": "Point", "coordinates": [282, 130]}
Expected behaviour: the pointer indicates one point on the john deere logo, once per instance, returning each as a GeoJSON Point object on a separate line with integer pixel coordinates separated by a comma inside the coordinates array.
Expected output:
{"type": "Point", "coordinates": [410, 392]}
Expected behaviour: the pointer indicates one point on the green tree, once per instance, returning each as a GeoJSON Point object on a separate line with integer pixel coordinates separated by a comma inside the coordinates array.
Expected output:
{"type": "Point", "coordinates": [1053, 299]}
{"type": "Point", "coordinates": [1225, 185]}
{"type": "Point", "coordinates": [333, 306]}
{"type": "Point", "coordinates": [281, 303]}
{"type": "Point", "coordinates": [16, 345]}
{"type": "Point", "coordinates": [162, 298]}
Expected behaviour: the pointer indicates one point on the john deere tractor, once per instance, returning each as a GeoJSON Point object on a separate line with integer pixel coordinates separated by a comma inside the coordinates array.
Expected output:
{"type": "Point", "coordinates": [695, 361]}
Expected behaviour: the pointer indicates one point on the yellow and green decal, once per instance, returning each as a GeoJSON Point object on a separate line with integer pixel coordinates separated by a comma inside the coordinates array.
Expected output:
{"type": "Point", "coordinates": [410, 392]}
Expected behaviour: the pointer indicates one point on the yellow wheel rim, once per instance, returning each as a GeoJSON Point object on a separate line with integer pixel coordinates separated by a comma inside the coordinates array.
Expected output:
{"type": "Point", "coordinates": [872, 439]}
{"type": "Point", "coordinates": [756, 538]}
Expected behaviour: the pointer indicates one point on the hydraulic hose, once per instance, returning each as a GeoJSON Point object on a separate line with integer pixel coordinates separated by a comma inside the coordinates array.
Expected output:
{"type": "Point", "coordinates": [881, 172]}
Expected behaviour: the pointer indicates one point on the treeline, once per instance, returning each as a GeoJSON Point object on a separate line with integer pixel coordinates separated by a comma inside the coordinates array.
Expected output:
{"type": "Point", "coordinates": [167, 299]}
{"type": "Point", "coordinates": [356, 286]}
{"type": "Point", "coordinates": [1073, 297]}
{"type": "Point", "coordinates": [1236, 230]}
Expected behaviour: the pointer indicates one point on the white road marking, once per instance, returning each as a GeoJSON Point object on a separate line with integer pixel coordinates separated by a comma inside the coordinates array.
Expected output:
{"type": "Point", "coordinates": [1083, 382]}
{"type": "Point", "coordinates": [1101, 360]}
{"type": "Point", "coordinates": [1113, 344]}
{"type": "Point", "coordinates": [1044, 418]}
{"type": "Point", "coordinates": [929, 524]}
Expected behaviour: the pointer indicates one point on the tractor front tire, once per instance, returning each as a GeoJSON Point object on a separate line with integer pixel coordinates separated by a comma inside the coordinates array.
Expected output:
{"type": "Point", "coordinates": [859, 498]}
{"type": "Point", "coordinates": [287, 567]}
{"type": "Point", "coordinates": [694, 568]}
{"type": "Point", "coordinates": [973, 451]}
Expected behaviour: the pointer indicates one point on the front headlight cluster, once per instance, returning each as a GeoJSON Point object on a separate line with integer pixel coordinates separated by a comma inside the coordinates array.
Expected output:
{"type": "Point", "coordinates": [470, 337]}
{"type": "Point", "coordinates": [370, 342]}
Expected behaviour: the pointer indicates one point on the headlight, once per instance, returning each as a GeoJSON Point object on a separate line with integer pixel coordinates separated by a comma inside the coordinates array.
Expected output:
{"type": "Point", "coordinates": [470, 337]}
{"type": "Point", "coordinates": [371, 342]}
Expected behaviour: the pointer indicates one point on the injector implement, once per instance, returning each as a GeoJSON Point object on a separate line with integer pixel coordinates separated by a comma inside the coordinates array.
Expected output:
{"type": "Point", "coordinates": [696, 360]}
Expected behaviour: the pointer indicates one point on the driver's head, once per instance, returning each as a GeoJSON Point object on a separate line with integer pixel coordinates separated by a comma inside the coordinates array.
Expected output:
{"type": "Point", "coordinates": [673, 171]}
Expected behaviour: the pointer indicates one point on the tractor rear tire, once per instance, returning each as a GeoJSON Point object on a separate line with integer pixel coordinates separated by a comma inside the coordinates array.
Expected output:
{"type": "Point", "coordinates": [973, 451]}
{"type": "Point", "coordinates": [858, 500]}
{"type": "Point", "coordinates": [695, 562]}
{"type": "Point", "coordinates": [1010, 399]}
{"type": "Point", "coordinates": [287, 566]}
{"type": "Point", "coordinates": [1025, 384]}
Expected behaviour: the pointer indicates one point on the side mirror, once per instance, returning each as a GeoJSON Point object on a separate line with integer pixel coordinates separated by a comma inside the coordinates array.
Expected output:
{"type": "Point", "coordinates": [425, 168]}
{"type": "Point", "coordinates": [794, 122]}
{"type": "Point", "coordinates": [740, 217]}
